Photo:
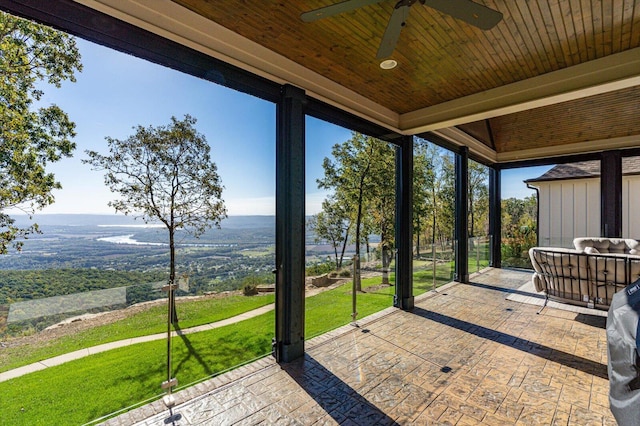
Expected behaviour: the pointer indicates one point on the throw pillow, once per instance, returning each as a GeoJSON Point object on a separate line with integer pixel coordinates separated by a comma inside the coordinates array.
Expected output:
{"type": "Point", "coordinates": [591, 250]}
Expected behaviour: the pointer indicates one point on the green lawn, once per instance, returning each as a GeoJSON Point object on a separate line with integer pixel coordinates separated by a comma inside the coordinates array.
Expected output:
{"type": "Point", "coordinates": [204, 311]}
{"type": "Point", "coordinates": [151, 321]}
{"type": "Point", "coordinates": [82, 390]}
{"type": "Point", "coordinates": [119, 378]}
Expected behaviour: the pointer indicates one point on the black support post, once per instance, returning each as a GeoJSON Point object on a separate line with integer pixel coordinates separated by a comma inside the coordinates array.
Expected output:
{"type": "Point", "coordinates": [611, 194]}
{"type": "Point", "coordinates": [495, 217]}
{"type": "Point", "coordinates": [404, 225]}
{"type": "Point", "coordinates": [290, 225]}
{"type": "Point", "coordinates": [462, 216]}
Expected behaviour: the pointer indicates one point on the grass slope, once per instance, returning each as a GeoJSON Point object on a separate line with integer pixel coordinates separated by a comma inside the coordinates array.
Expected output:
{"type": "Point", "coordinates": [151, 321]}
{"type": "Point", "coordinates": [80, 391]}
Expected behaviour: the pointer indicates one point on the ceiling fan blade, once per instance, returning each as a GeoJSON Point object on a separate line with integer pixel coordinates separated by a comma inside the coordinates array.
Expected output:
{"type": "Point", "coordinates": [392, 33]}
{"type": "Point", "coordinates": [335, 9]}
{"type": "Point", "coordinates": [470, 12]}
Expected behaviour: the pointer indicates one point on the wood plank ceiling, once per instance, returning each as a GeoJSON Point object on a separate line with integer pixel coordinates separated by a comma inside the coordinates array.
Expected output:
{"type": "Point", "coordinates": [442, 59]}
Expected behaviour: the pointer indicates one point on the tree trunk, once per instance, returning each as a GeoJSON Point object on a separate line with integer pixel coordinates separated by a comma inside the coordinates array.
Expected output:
{"type": "Point", "coordinates": [172, 276]}
{"type": "Point", "coordinates": [472, 218]}
{"type": "Point", "coordinates": [358, 221]}
{"type": "Point", "coordinates": [344, 247]}
{"type": "Point", "coordinates": [418, 239]}
{"type": "Point", "coordinates": [433, 229]}
{"type": "Point", "coordinates": [366, 240]}
{"type": "Point", "coordinates": [433, 223]}
{"type": "Point", "coordinates": [386, 261]}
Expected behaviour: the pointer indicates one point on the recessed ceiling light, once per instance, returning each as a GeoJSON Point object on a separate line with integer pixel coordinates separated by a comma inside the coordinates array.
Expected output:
{"type": "Point", "coordinates": [388, 64]}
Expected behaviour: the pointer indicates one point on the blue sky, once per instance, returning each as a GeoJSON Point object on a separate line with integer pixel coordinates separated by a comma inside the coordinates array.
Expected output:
{"type": "Point", "coordinates": [512, 181]}
{"type": "Point", "coordinates": [116, 92]}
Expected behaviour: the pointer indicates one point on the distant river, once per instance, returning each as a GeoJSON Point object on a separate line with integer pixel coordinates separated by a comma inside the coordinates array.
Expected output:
{"type": "Point", "coordinates": [127, 239]}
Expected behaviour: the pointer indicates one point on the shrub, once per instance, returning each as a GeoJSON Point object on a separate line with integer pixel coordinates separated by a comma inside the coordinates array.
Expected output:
{"type": "Point", "coordinates": [142, 293]}
{"type": "Point", "coordinates": [250, 285]}
{"type": "Point", "coordinates": [345, 273]}
{"type": "Point", "coordinates": [249, 289]}
{"type": "Point", "coordinates": [319, 269]}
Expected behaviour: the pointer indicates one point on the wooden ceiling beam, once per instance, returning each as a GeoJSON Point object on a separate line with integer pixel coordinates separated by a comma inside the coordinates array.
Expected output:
{"type": "Point", "coordinates": [609, 73]}
{"type": "Point", "coordinates": [457, 137]}
{"type": "Point", "coordinates": [624, 142]}
{"type": "Point", "coordinates": [169, 20]}
{"type": "Point", "coordinates": [613, 72]}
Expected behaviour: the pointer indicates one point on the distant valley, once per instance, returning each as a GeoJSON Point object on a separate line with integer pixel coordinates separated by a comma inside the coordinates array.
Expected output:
{"type": "Point", "coordinates": [76, 254]}
{"type": "Point", "coordinates": [124, 243]}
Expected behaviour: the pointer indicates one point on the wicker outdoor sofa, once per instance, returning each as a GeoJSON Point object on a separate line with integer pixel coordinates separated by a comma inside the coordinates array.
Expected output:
{"type": "Point", "coordinates": [589, 274]}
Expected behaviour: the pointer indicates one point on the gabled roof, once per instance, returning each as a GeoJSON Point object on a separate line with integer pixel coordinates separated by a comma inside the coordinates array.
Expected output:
{"type": "Point", "coordinates": [585, 169]}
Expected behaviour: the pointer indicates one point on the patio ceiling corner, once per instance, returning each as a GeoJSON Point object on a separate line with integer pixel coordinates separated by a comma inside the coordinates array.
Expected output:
{"type": "Point", "coordinates": [532, 60]}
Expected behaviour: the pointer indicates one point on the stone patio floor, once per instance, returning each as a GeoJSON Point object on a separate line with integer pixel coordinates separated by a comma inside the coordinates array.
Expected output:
{"type": "Point", "coordinates": [464, 356]}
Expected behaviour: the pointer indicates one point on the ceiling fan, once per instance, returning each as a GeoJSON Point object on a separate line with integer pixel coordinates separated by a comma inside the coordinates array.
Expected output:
{"type": "Point", "coordinates": [466, 10]}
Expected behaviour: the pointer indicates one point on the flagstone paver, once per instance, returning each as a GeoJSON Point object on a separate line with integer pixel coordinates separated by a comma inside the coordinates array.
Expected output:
{"type": "Point", "coordinates": [464, 356]}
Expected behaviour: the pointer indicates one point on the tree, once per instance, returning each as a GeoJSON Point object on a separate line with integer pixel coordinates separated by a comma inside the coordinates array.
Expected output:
{"type": "Point", "coordinates": [165, 174]}
{"type": "Point", "coordinates": [423, 186]}
{"type": "Point", "coordinates": [478, 197]}
{"type": "Point", "coordinates": [31, 138]}
{"type": "Point", "coordinates": [332, 224]}
{"type": "Point", "coordinates": [352, 176]}
{"type": "Point", "coordinates": [519, 231]}
{"type": "Point", "coordinates": [446, 193]}
{"type": "Point", "coordinates": [381, 203]}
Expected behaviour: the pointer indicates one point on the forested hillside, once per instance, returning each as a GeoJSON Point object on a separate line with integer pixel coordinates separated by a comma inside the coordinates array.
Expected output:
{"type": "Point", "coordinates": [76, 254]}
{"type": "Point", "coordinates": [36, 284]}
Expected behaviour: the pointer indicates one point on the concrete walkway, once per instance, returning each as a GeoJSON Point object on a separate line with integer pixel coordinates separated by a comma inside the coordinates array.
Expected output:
{"type": "Point", "coordinates": [61, 359]}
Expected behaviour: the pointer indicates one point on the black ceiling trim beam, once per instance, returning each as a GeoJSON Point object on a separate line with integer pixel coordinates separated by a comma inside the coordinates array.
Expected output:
{"type": "Point", "coordinates": [549, 161]}
{"type": "Point", "coordinates": [103, 29]}
{"type": "Point", "coordinates": [323, 111]}
{"type": "Point", "coordinates": [456, 149]}
{"type": "Point", "coordinates": [440, 141]}
{"type": "Point", "coordinates": [629, 152]}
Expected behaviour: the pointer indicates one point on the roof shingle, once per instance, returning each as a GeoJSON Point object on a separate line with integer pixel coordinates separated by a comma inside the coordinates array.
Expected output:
{"type": "Point", "coordinates": [585, 169]}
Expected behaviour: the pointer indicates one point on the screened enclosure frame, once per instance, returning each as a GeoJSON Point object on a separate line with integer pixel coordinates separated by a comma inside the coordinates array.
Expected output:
{"type": "Point", "coordinates": [292, 105]}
